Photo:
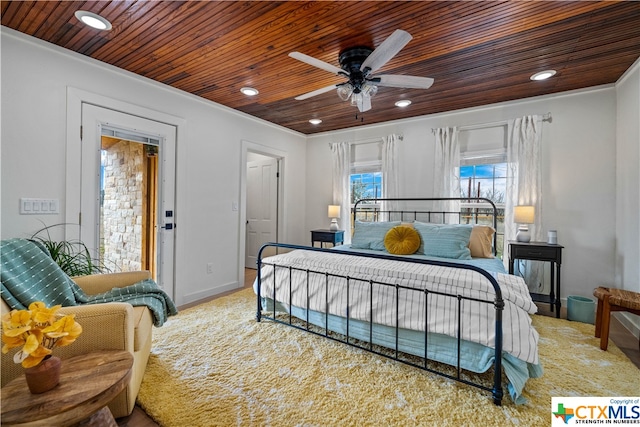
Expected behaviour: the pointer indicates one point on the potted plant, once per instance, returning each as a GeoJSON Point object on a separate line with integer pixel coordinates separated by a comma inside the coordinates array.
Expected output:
{"type": "Point", "coordinates": [72, 256]}
{"type": "Point", "coordinates": [37, 331]}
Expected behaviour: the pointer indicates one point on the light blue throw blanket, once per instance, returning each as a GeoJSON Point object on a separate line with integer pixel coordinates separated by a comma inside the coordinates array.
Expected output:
{"type": "Point", "coordinates": [28, 274]}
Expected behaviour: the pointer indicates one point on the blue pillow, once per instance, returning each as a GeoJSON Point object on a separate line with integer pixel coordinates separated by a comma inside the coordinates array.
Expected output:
{"type": "Point", "coordinates": [445, 241]}
{"type": "Point", "coordinates": [370, 235]}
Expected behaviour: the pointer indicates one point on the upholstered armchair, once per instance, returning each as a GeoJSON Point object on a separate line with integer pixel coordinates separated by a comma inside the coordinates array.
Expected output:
{"type": "Point", "coordinates": [108, 326]}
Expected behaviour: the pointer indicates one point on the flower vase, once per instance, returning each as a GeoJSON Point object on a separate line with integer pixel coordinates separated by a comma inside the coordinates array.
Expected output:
{"type": "Point", "coordinates": [44, 376]}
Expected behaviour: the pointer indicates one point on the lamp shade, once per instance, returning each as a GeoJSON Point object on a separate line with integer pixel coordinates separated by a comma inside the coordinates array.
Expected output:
{"type": "Point", "coordinates": [334, 211]}
{"type": "Point", "coordinates": [523, 214]}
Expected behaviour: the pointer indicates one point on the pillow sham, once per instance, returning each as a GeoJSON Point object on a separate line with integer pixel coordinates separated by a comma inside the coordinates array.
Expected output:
{"type": "Point", "coordinates": [481, 241]}
{"type": "Point", "coordinates": [402, 240]}
{"type": "Point", "coordinates": [370, 235]}
{"type": "Point", "coordinates": [445, 241]}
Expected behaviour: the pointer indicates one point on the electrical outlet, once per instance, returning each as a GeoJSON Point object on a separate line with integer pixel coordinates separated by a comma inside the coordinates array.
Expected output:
{"type": "Point", "coordinates": [209, 268]}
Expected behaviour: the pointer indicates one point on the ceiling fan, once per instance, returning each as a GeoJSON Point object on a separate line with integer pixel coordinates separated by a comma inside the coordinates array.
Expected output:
{"type": "Point", "coordinates": [358, 64]}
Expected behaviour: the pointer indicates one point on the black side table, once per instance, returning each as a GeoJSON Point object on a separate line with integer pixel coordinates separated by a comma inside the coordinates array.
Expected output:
{"type": "Point", "coordinates": [327, 236]}
{"type": "Point", "coordinates": [540, 251]}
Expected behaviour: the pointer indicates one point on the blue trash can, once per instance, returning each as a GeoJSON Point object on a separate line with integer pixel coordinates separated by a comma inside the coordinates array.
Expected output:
{"type": "Point", "coordinates": [581, 309]}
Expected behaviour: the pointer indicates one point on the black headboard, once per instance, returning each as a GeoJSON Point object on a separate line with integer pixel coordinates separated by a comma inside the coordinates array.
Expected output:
{"type": "Point", "coordinates": [426, 209]}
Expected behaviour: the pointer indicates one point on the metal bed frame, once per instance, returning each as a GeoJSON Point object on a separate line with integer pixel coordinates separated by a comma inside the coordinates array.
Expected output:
{"type": "Point", "coordinates": [496, 388]}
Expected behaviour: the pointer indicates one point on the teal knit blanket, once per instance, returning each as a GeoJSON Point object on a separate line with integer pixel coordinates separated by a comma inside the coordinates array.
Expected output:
{"type": "Point", "coordinates": [28, 274]}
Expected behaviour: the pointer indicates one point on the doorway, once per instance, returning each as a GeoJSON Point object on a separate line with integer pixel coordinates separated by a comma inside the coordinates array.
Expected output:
{"type": "Point", "coordinates": [262, 204]}
{"type": "Point", "coordinates": [127, 206]}
{"type": "Point", "coordinates": [128, 201]}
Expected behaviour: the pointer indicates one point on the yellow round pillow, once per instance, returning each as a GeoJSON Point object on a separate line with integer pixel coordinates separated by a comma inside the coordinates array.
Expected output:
{"type": "Point", "coordinates": [402, 240]}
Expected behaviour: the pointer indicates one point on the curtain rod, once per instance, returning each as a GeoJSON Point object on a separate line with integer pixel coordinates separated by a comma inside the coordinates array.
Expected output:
{"type": "Point", "coordinates": [371, 140]}
{"type": "Point", "coordinates": [545, 118]}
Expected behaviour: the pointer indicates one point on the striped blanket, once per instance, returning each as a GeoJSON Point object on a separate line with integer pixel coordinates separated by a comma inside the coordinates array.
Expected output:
{"type": "Point", "coordinates": [28, 274]}
{"type": "Point", "coordinates": [377, 302]}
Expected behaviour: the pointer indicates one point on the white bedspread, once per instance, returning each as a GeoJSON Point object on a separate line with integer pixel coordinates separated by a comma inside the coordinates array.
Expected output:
{"type": "Point", "coordinates": [520, 339]}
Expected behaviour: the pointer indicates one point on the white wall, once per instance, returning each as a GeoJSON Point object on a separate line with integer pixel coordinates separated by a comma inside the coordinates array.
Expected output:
{"type": "Point", "coordinates": [628, 189]}
{"type": "Point", "coordinates": [35, 77]}
{"type": "Point", "coordinates": [628, 181]}
{"type": "Point", "coordinates": [578, 168]}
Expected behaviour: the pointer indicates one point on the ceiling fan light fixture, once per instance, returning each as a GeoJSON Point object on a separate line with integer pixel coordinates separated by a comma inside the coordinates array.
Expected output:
{"type": "Point", "coordinates": [345, 91]}
{"type": "Point", "coordinates": [369, 90]}
{"type": "Point", "coordinates": [543, 75]}
{"type": "Point", "coordinates": [403, 103]}
{"type": "Point", "coordinates": [315, 121]}
{"type": "Point", "coordinates": [249, 91]}
{"type": "Point", "coordinates": [93, 20]}
{"type": "Point", "coordinates": [355, 98]}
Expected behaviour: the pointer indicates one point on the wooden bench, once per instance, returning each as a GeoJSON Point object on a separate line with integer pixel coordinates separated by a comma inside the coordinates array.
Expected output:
{"type": "Point", "coordinates": [612, 299]}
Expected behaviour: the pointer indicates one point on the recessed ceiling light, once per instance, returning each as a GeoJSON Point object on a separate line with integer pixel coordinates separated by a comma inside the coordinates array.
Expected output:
{"type": "Point", "coordinates": [93, 20]}
{"type": "Point", "coordinates": [249, 91]}
{"type": "Point", "coordinates": [543, 75]}
{"type": "Point", "coordinates": [403, 103]}
{"type": "Point", "coordinates": [315, 121]}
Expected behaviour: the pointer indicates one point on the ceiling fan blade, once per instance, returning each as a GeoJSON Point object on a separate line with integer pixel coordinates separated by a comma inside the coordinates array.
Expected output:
{"type": "Point", "coordinates": [318, 63]}
{"type": "Point", "coordinates": [316, 92]}
{"type": "Point", "coordinates": [398, 80]}
{"type": "Point", "coordinates": [387, 50]}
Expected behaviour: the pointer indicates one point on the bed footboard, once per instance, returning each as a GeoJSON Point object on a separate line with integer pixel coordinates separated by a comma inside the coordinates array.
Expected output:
{"type": "Point", "coordinates": [369, 335]}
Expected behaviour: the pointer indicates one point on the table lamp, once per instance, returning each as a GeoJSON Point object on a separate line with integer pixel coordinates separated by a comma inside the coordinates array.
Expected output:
{"type": "Point", "coordinates": [523, 215]}
{"type": "Point", "coordinates": [334, 214]}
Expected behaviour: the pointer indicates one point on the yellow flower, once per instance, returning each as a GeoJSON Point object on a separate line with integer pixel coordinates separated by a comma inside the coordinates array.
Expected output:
{"type": "Point", "coordinates": [42, 315]}
{"type": "Point", "coordinates": [36, 357]}
{"type": "Point", "coordinates": [37, 330]}
{"type": "Point", "coordinates": [16, 323]}
{"type": "Point", "coordinates": [11, 342]}
{"type": "Point", "coordinates": [64, 331]}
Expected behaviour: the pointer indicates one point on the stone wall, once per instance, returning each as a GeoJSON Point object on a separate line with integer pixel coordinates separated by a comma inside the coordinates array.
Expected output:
{"type": "Point", "coordinates": [122, 213]}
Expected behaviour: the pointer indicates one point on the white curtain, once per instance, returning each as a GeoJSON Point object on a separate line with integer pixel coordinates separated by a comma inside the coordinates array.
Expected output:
{"type": "Point", "coordinates": [447, 170]}
{"type": "Point", "coordinates": [341, 153]}
{"type": "Point", "coordinates": [523, 183]}
{"type": "Point", "coordinates": [390, 182]}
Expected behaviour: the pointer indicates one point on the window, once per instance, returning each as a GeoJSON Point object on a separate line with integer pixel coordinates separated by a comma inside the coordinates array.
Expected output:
{"type": "Point", "coordinates": [366, 178]}
{"type": "Point", "coordinates": [484, 180]}
{"type": "Point", "coordinates": [483, 173]}
{"type": "Point", "coordinates": [366, 185]}
{"type": "Point", "coordinates": [488, 181]}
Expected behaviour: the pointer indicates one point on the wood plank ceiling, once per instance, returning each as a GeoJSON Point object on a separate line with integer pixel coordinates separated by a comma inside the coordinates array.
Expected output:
{"type": "Point", "coordinates": [478, 52]}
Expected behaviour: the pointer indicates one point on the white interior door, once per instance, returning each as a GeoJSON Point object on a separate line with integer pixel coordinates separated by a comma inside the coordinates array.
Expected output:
{"type": "Point", "coordinates": [262, 207]}
{"type": "Point", "coordinates": [94, 120]}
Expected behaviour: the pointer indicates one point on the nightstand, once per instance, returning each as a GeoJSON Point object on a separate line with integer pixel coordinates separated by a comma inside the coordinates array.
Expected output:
{"type": "Point", "coordinates": [540, 251]}
{"type": "Point", "coordinates": [327, 236]}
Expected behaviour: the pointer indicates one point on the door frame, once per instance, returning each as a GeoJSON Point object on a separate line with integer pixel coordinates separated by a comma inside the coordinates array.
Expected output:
{"type": "Point", "coordinates": [248, 146]}
{"type": "Point", "coordinates": [75, 99]}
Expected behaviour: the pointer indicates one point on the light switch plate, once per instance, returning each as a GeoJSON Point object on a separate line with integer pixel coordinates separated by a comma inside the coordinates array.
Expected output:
{"type": "Point", "coordinates": [33, 206]}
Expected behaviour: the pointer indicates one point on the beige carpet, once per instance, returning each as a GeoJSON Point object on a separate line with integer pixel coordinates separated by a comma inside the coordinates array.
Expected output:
{"type": "Point", "coordinates": [214, 365]}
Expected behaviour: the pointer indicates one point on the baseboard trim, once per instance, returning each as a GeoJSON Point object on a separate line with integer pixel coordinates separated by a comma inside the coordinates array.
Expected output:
{"type": "Point", "coordinates": [201, 296]}
{"type": "Point", "coordinates": [629, 321]}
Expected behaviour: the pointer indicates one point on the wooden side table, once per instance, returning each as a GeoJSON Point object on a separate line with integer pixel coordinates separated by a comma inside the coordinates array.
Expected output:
{"type": "Point", "coordinates": [87, 384]}
{"type": "Point", "coordinates": [540, 251]}
{"type": "Point", "coordinates": [327, 236]}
